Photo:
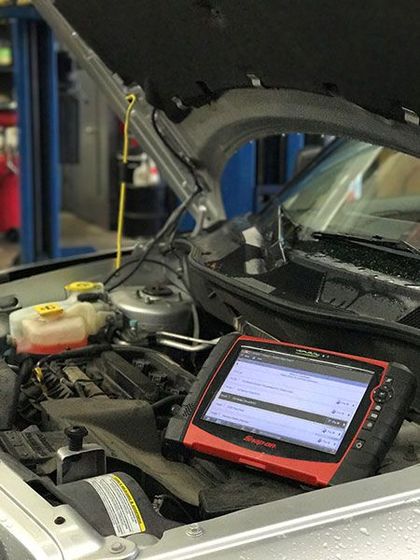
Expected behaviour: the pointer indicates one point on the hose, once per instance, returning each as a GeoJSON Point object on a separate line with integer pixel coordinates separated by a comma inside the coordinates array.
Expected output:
{"type": "Point", "coordinates": [185, 343]}
{"type": "Point", "coordinates": [86, 352]}
{"type": "Point", "coordinates": [24, 374]}
{"type": "Point", "coordinates": [172, 399]}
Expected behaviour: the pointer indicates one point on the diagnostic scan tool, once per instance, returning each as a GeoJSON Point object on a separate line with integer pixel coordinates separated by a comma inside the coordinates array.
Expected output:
{"type": "Point", "coordinates": [311, 415]}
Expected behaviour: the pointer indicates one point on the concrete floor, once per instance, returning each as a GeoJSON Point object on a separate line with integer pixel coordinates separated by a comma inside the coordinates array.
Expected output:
{"type": "Point", "coordinates": [74, 233]}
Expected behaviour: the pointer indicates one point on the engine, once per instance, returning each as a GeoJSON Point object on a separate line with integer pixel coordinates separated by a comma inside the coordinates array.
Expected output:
{"type": "Point", "coordinates": [88, 387]}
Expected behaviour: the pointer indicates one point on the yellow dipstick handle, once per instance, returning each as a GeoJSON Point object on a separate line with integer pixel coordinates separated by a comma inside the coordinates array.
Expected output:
{"type": "Point", "coordinates": [123, 186]}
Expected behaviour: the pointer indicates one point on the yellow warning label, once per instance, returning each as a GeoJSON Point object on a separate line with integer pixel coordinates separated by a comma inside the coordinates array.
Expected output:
{"type": "Point", "coordinates": [119, 502]}
{"type": "Point", "coordinates": [132, 502]}
{"type": "Point", "coordinates": [49, 309]}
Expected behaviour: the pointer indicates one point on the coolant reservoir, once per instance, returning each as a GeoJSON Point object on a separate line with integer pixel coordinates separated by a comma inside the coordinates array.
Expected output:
{"type": "Point", "coordinates": [51, 328]}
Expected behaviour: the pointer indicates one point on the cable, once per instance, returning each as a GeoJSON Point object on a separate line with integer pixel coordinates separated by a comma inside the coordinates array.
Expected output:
{"type": "Point", "coordinates": [184, 160]}
{"type": "Point", "coordinates": [171, 399]}
{"type": "Point", "coordinates": [85, 352]}
{"type": "Point", "coordinates": [134, 260]}
{"type": "Point", "coordinates": [187, 282]}
{"type": "Point", "coordinates": [172, 221]}
{"type": "Point", "coordinates": [123, 186]}
{"type": "Point", "coordinates": [184, 288]}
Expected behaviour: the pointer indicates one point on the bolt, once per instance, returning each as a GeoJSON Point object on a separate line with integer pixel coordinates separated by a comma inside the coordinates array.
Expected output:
{"type": "Point", "coordinates": [117, 547]}
{"type": "Point", "coordinates": [194, 531]}
{"type": "Point", "coordinates": [76, 435]}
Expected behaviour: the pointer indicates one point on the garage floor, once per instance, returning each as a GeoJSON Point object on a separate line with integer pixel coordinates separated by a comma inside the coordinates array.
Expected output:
{"type": "Point", "coordinates": [74, 233]}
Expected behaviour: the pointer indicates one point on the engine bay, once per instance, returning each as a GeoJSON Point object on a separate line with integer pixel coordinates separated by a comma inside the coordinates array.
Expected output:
{"type": "Point", "coordinates": [89, 387]}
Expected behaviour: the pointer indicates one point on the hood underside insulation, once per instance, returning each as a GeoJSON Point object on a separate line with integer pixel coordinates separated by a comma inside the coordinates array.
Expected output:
{"type": "Point", "coordinates": [188, 52]}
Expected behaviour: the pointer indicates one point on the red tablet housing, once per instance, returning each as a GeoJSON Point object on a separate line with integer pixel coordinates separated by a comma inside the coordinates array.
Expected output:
{"type": "Point", "coordinates": [312, 415]}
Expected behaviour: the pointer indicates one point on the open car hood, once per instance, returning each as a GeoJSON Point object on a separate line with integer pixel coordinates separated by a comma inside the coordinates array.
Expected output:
{"type": "Point", "coordinates": [212, 74]}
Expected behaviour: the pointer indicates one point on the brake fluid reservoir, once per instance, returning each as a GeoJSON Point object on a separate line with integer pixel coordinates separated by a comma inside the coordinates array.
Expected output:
{"type": "Point", "coordinates": [55, 327]}
{"type": "Point", "coordinates": [76, 288]}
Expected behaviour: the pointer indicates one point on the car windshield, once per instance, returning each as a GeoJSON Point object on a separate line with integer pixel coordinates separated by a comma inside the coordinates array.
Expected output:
{"type": "Point", "coordinates": [360, 190]}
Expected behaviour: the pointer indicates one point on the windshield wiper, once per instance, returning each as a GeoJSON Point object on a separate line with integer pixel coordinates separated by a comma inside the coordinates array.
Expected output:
{"type": "Point", "coordinates": [375, 241]}
{"type": "Point", "coordinates": [280, 241]}
{"type": "Point", "coordinates": [280, 233]}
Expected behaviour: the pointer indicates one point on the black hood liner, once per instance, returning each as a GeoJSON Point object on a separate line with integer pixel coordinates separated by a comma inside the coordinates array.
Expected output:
{"type": "Point", "coordinates": [367, 51]}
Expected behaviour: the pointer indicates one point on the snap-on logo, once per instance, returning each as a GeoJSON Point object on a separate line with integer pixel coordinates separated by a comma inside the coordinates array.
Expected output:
{"type": "Point", "coordinates": [260, 442]}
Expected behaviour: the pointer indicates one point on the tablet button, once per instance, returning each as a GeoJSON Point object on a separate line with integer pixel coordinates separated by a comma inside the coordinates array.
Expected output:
{"type": "Point", "coordinates": [380, 396]}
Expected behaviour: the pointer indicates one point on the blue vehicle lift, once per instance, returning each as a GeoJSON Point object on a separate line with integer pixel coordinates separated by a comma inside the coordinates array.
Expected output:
{"type": "Point", "coordinates": [36, 84]}
{"type": "Point", "coordinates": [37, 95]}
{"type": "Point", "coordinates": [239, 181]}
{"type": "Point", "coordinates": [295, 143]}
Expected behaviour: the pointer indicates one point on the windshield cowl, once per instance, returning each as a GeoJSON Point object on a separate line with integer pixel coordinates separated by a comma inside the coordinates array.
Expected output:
{"type": "Point", "coordinates": [375, 241]}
